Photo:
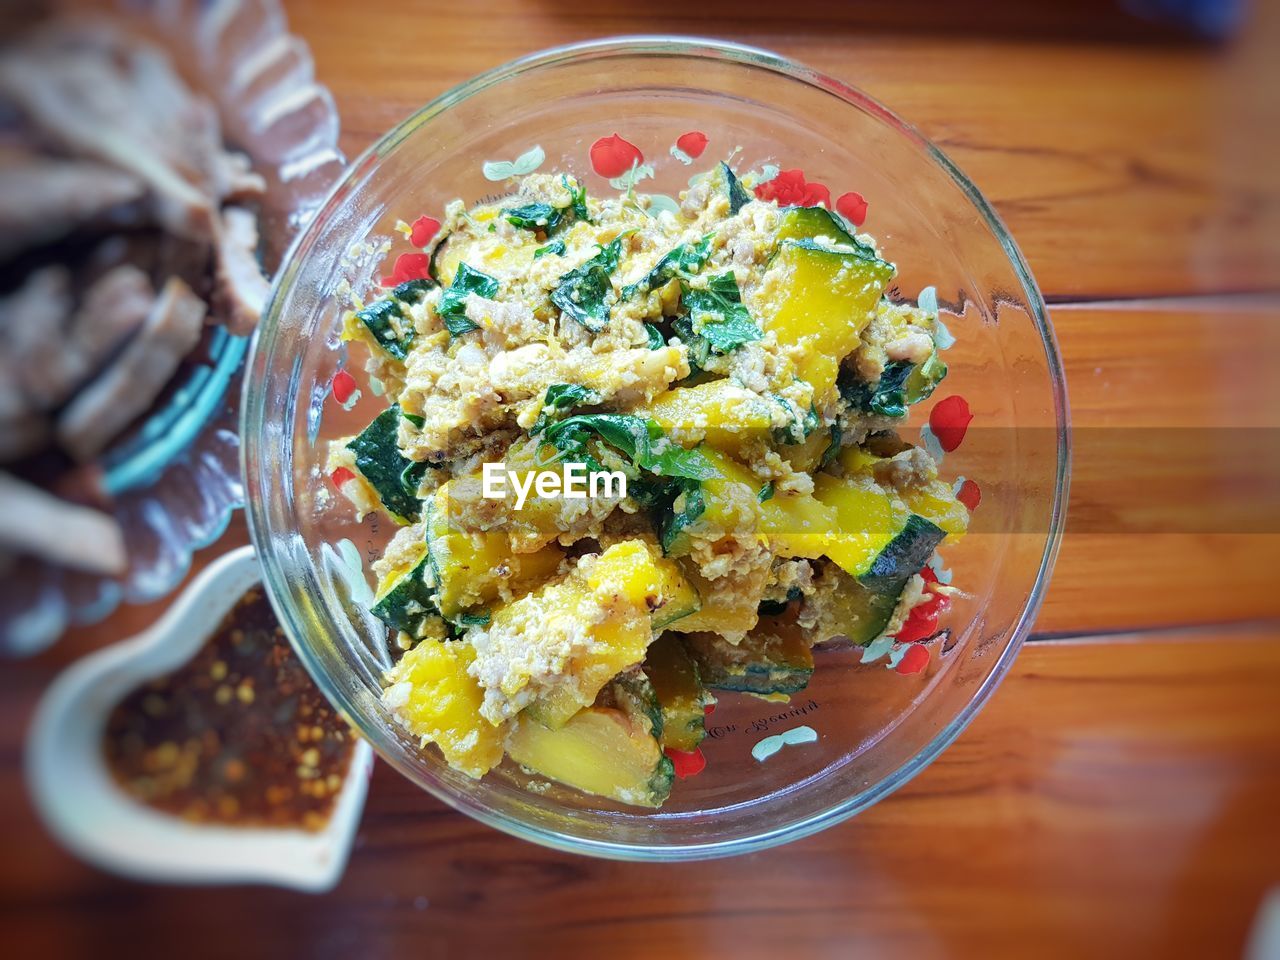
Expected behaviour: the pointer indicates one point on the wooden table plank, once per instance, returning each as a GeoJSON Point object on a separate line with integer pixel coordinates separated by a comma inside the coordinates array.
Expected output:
{"type": "Point", "coordinates": [1122, 170]}
{"type": "Point", "coordinates": [1113, 799]}
{"type": "Point", "coordinates": [1128, 368]}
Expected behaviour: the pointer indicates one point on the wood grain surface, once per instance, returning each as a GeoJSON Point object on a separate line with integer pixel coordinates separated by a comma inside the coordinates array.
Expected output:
{"type": "Point", "coordinates": [1114, 799]}
{"type": "Point", "coordinates": [1122, 170]}
{"type": "Point", "coordinates": [1117, 796]}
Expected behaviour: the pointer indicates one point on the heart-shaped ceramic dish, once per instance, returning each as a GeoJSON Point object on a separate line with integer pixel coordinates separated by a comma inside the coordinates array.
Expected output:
{"type": "Point", "coordinates": [91, 816]}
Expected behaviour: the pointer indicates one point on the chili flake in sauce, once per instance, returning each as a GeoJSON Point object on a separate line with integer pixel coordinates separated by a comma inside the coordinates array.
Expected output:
{"type": "Point", "coordinates": [239, 735]}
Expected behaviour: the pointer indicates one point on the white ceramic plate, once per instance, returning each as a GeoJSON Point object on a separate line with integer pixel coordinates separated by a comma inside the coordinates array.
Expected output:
{"type": "Point", "coordinates": [85, 810]}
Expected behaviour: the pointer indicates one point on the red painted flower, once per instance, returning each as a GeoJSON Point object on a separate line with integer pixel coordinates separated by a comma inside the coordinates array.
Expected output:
{"type": "Point", "coordinates": [612, 156]}
{"type": "Point", "coordinates": [949, 420]}
{"type": "Point", "coordinates": [409, 266]}
{"type": "Point", "coordinates": [922, 622]}
{"type": "Point", "coordinates": [790, 189]}
{"type": "Point", "coordinates": [423, 231]}
{"type": "Point", "coordinates": [687, 764]}
{"type": "Point", "coordinates": [852, 207]}
{"type": "Point", "coordinates": [343, 386]}
{"type": "Point", "coordinates": [340, 476]}
{"type": "Point", "coordinates": [970, 494]}
{"type": "Point", "coordinates": [914, 660]}
{"type": "Point", "coordinates": [692, 143]}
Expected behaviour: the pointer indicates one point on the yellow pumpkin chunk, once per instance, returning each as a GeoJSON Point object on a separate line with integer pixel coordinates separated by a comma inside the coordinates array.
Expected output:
{"type": "Point", "coordinates": [866, 520]}
{"type": "Point", "coordinates": [827, 301]}
{"type": "Point", "coordinates": [730, 604]}
{"type": "Point", "coordinates": [935, 501]}
{"type": "Point", "coordinates": [558, 646]}
{"type": "Point", "coordinates": [471, 568]}
{"type": "Point", "coordinates": [722, 413]}
{"type": "Point", "coordinates": [601, 751]}
{"type": "Point", "coordinates": [437, 700]}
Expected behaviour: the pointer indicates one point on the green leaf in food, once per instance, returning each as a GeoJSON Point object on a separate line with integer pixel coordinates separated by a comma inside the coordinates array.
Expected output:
{"type": "Point", "coordinates": [578, 203]}
{"type": "Point", "coordinates": [453, 302]}
{"type": "Point", "coordinates": [415, 419]}
{"type": "Point", "coordinates": [717, 315]}
{"type": "Point", "coordinates": [799, 426]}
{"type": "Point", "coordinates": [534, 216]}
{"type": "Point", "coordinates": [656, 340]}
{"type": "Point", "coordinates": [640, 439]}
{"type": "Point", "coordinates": [901, 384]}
{"type": "Point", "coordinates": [411, 291]}
{"type": "Point", "coordinates": [560, 397]}
{"type": "Point", "coordinates": [684, 260]}
{"type": "Point", "coordinates": [392, 475]}
{"type": "Point", "coordinates": [554, 247]}
{"type": "Point", "coordinates": [583, 291]}
{"type": "Point", "coordinates": [766, 492]}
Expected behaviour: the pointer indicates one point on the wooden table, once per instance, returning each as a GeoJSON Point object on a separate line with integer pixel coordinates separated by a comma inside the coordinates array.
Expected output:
{"type": "Point", "coordinates": [1119, 794]}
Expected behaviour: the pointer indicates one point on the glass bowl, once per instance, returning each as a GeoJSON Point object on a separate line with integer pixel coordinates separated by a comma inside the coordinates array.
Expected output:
{"type": "Point", "coordinates": [876, 728]}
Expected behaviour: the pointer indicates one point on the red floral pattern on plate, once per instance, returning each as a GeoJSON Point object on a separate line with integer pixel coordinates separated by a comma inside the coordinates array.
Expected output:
{"type": "Point", "coordinates": [949, 420]}
{"type": "Point", "coordinates": [613, 156]}
{"type": "Point", "coordinates": [853, 207]}
{"type": "Point", "coordinates": [423, 231]}
{"type": "Point", "coordinates": [343, 386]}
{"type": "Point", "coordinates": [914, 660]}
{"type": "Point", "coordinates": [692, 143]}
{"type": "Point", "coordinates": [409, 266]}
{"type": "Point", "coordinates": [970, 494]}
{"type": "Point", "coordinates": [790, 189]}
{"type": "Point", "coordinates": [687, 764]}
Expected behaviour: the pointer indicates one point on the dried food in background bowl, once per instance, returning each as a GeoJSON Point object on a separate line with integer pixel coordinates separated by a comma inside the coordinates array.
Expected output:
{"type": "Point", "coordinates": [149, 179]}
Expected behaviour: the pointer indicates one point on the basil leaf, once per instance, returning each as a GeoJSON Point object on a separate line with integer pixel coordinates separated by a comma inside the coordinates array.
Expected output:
{"type": "Point", "coordinates": [887, 398]}
{"type": "Point", "coordinates": [579, 202]}
{"type": "Point", "coordinates": [391, 329]}
{"type": "Point", "coordinates": [555, 246]}
{"type": "Point", "coordinates": [766, 492]}
{"type": "Point", "coordinates": [799, 425]}
{"type": "Point", "coordinates": [453, 302]}
{"type": "Point", "coordinates": [641, 440]}
{"type": "Point", "coordinates": [656, 340]}
{"type": "Point", "coordinates": [716, 314]}
{"type": "Point", "coordinates": [582, 292]}
{"type": "Point", "coordinates": [416, 420]}
{"type": "Point", "coordinates": [684, 260]}
{"type": "Point", "coordinates": [534, 216]}
{"type": "Point", "coordinates": [563, 396]}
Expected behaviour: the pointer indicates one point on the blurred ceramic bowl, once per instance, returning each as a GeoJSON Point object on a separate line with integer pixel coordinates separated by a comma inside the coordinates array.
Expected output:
{"type": "Point", "coordinates": [174, 482]}
{"type": "Point", "coordinates": [875, 728]}
{"type": "Point", "coordinates": [82, 806]}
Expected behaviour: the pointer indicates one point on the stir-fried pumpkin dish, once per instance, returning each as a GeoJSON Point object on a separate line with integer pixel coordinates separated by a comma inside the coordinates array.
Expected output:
{"type": "Point", "coordinates": [738, 364]}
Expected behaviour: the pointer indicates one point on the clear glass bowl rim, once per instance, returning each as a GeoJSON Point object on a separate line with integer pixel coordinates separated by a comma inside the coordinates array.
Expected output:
{"type": "Point", "coordinates": [253, 409]}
